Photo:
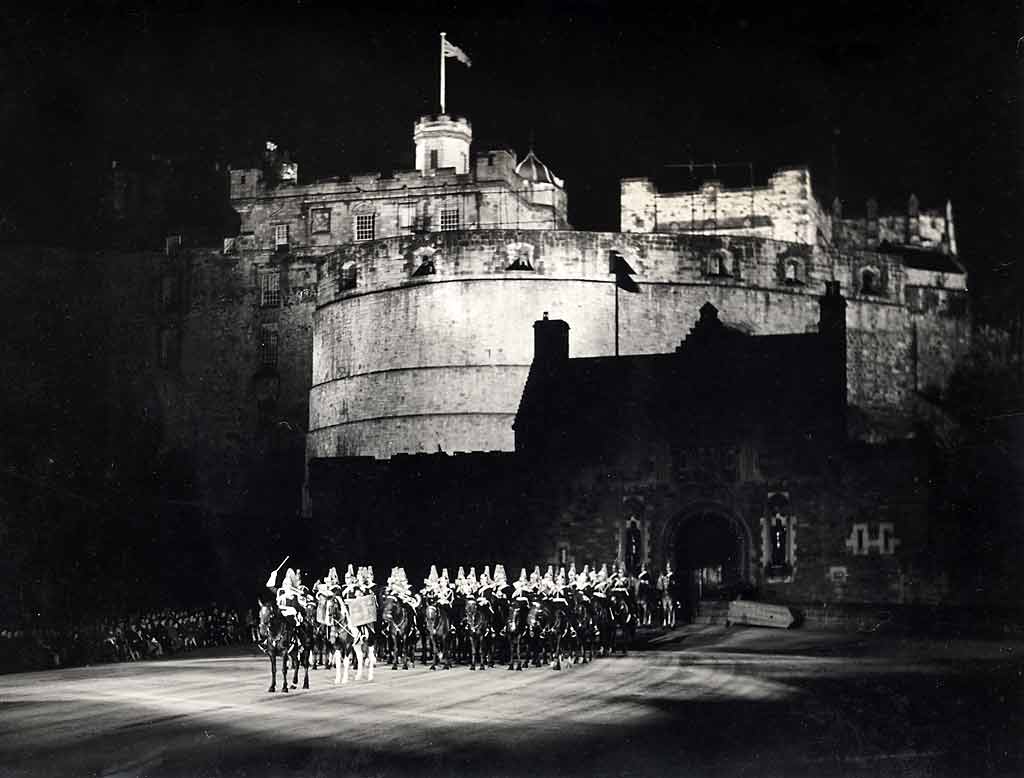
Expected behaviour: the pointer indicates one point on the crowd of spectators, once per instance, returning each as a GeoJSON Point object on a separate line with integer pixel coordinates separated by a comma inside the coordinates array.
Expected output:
{"type": "Point", "coordinates": [143, 636]}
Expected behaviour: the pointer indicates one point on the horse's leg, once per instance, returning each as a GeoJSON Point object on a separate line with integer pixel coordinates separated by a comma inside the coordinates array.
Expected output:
{"type": "Point", "coordinates": [305, 668]}
{"type": "Point", "coordinates": [558, 650]}
{"type": "Point", "coordinates": [284, 671]}
{"type": "Point", "coordinates": [273, 670]}
{"type": "Point", "coordinates": [473, 642]}
{"type": "Point", "coordinates": [347, 662]}
{"type": "Point", "coordinates": [433, 650]}
{"type": "Point", "coordinates": [393, 645]}
{"type": "Point", "coordinates": [358, 648]}
{"type": "Point", "coordinates": [337, 665]}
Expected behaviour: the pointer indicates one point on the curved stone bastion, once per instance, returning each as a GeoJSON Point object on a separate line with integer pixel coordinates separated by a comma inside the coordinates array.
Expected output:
{"type": "Point", "coordinates": [423, 342]}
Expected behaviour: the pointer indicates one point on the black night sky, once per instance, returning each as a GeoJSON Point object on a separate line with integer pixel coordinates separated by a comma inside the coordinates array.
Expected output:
{"type": "Point", "coordinates": [882, 101]}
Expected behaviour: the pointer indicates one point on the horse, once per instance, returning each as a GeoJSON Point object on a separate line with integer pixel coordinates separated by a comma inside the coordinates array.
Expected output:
{"type": "Point", "coordinates": [398, 622]}
{"type": "Point", "coordinates": [604, 627]}
{"type": "Point", "coordinates": [647, 599]}
{"type": "Point", "coordinates": [275, 633]}
{"type": "Point", "coordinates": [666, 586]}
{"type": "Point", "coordinates": [438, 628]}
{"type": "Point", "coordinates": [622, 609]}
{"type": "Point", "coordinates": [347, 641]}
{"type": "Point", "coordinates": [303, 642]}
{"type": "Point", "coordinates": [581, 622]}
{"type": "Point", "coordinates": [477, 622]}
{"type": "Point", "coordinates": [546, 624]}
{"type": "Point", "coordinates": [515, 630]}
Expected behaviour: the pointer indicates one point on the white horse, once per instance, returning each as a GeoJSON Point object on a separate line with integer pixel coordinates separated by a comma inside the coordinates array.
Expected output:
{"type": "Point", "coordinates": [347, 641]}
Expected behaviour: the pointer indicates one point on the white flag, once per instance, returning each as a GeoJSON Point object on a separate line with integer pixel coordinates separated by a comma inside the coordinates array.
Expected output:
{"type": "Point", "coordinates": [451, 50]}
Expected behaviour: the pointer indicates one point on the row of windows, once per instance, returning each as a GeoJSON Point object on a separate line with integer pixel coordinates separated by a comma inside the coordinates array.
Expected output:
{"type": "Point", "coordinates": [364, 225]}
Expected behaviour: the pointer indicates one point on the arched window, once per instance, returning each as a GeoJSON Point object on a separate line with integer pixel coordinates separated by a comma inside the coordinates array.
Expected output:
{"type": "Point", "coordinates": [347, 276]}
{"type": "Point", "coordinates": [719, 263]}
{"type": "Point", "coordinates": [870, 281]}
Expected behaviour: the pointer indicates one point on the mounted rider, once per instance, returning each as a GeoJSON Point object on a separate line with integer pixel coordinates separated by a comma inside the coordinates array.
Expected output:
{"type": "Point", "coordinates": [351, 584]}
{"type": "Point", "coordinates": [364, 581]}
{"type": "Point", "coordinates": [521, 588]}
{"type": "Point", "coordinates": [290, 594]}
{"type": "Point", "coordinates": [398, 586]}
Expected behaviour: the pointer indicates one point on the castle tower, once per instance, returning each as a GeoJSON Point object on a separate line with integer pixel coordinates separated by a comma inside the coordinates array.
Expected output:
{"type": "Point", "coordinates": [442, 141]}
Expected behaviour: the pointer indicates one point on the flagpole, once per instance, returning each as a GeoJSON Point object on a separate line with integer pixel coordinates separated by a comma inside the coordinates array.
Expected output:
{"type": "Point", "coordinates": [616, 317]}
{"type": "Point", "coordinates": [442, 72]}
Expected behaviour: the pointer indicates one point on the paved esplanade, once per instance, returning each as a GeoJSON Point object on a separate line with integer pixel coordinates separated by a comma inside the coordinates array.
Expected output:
{"type": "Point", "coordinates": [710, 702]}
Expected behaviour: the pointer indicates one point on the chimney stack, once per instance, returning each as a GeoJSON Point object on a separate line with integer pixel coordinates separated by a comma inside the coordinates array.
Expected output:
{"type": "Point", "coordinates": [550, 341]}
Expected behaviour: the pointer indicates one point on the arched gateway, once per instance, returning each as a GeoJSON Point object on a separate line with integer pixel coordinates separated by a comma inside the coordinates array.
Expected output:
{"type": "Point", "coordinates": [710, 549]}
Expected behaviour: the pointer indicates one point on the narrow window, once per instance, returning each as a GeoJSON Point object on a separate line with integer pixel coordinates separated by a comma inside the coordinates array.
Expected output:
{"type": "Point", "coordinates": [171, 245]}
{"type": "Point", "coordinates": [268, 346]}
{"type": "Point", "coordinates": [433, 159]}
{"type": "Point", "coordinates": [280, 236]}
{"type": "Point", "coordinates": [792, 272]}
{"type": "Point", "coordinates": [270, 290]}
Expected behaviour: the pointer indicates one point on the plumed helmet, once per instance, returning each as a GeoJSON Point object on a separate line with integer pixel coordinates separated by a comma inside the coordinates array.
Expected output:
{"type": "Point", "coordinates": [461, 574]}
{"type": "Point", "coordinates": [432, 578]}
{"type": "Point", "coordinates": [550, 572]}
{"type": "Point", "coordinates": [572, 570]}
{"type": "Point", "coordinates": [522, 574]}
{"type": "Point", "coordinates": [332, 577]}
{"type": "Point", "coordinates": [350, 571]}
{"type": "Point", "coordinates": [472, 575]}
{"type": "Point", "coordinates": [499, 574]}
{"type": "Point", "coordinates": [444, 574]}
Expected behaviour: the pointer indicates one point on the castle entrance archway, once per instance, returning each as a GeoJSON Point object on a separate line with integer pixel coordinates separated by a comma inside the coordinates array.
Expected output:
{"type": "Point", "coordinates": [710, 550]}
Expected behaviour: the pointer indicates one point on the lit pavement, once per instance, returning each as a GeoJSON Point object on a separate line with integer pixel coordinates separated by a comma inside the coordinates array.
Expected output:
{"type": "Point", "coordinates": [704, 701]}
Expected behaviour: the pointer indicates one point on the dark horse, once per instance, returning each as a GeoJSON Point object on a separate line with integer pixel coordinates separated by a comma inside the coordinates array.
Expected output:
{"type": "Point", "coordinates": [439, 631]}
{"type": "Point", "coordinates": [477, 620]}
{"type": "Point", "coordinates": [622, 609]}
{"type": "Point", "coordinates": [648, 600]}
{"type": "Point", "coordinates": [546, 622]}
{"type": "Point", "coordinates": [303, 642]}
{"type": "Point", "coordinates": [276, 635]}
{"type": "Point", "coordinates": [581, 621]}
{"type": "Point", "coordinates": [399, 626]}
{"type": "Point", "coordinates": [515, 630]}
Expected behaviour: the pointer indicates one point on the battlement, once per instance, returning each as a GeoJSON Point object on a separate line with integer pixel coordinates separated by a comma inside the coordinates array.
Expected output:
{"type": "Point", "coordinates": [784, 267]}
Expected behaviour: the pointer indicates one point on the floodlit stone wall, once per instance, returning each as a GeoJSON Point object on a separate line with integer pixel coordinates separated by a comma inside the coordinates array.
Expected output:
{"type": "Point", "coordinates": [424, 342]}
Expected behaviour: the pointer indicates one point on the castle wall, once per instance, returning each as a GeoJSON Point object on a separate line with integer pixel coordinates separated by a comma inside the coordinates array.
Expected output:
{"type": "Point", "coordinates": [784, 210]}
{"type": "Point", "coordinates": [448, 369]}
{"type": "Point", "coordinates": [230, 422]}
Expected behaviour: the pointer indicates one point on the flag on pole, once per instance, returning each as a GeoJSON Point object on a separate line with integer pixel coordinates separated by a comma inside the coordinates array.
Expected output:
{"type": "Point", "coordinates": [449, 49]}
{"type": "Point", "coordinates": [618, 265]}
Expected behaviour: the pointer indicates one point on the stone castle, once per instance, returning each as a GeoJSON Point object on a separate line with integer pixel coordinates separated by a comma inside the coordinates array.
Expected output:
{"type": "Point", "coordinates": [369, 318]}
{"type": "Point", "coordinates": [426, 284]}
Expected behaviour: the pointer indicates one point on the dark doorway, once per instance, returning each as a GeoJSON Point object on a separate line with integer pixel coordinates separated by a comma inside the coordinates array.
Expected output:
{"type": "Point", "coordinates": [708, 554]}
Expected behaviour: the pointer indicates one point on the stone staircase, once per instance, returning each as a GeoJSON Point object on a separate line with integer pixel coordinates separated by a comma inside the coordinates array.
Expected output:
{"type": "Point", "coordinates": [712, 612]}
